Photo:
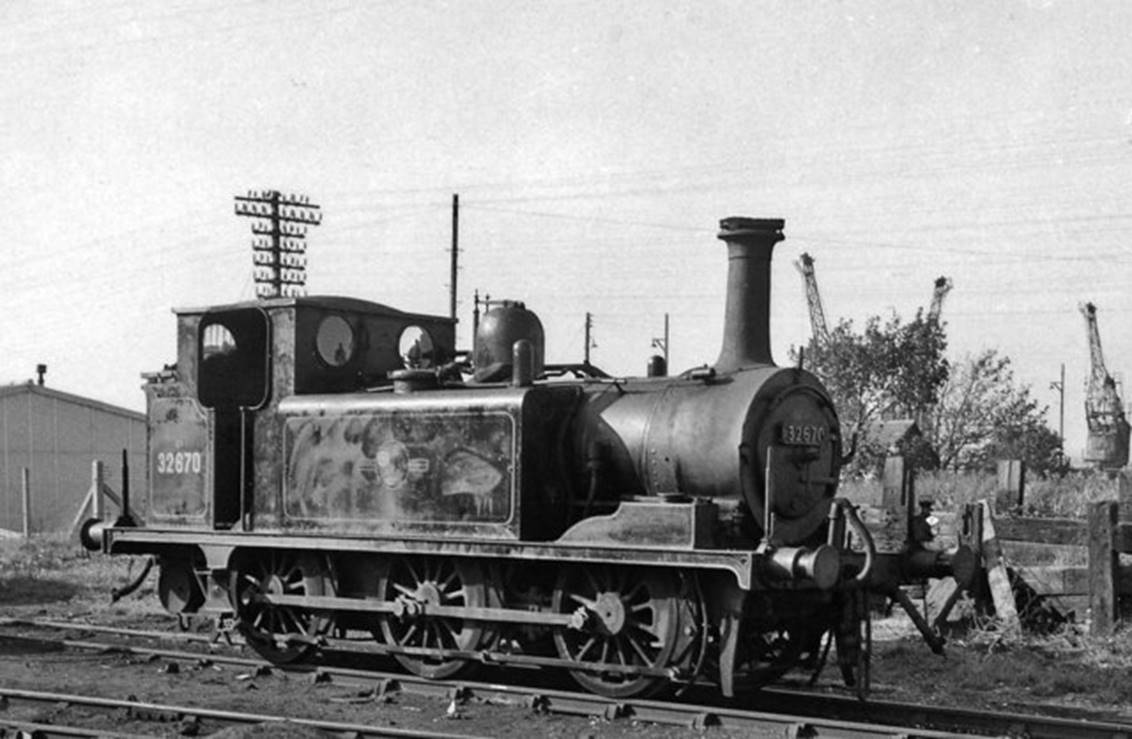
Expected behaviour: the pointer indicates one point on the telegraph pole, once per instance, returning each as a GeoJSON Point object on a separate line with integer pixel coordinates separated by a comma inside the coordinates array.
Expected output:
{"type": "Point", "coordinates": [281, 228]}
{"type": "Point", "coordinates": [455, 251]}
{"type": "Point", "coordinates": [475, 315]}
{"type": "Point", "coordinates": [662, 344]}
{"type": "Point", "coordinates": [1060, 388]}
{"type": "Point", "coordinates": [589, 337]}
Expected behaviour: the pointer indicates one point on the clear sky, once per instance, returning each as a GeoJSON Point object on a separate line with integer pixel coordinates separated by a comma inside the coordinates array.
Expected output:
{"type": "Point", "coordinates": [594, 145]}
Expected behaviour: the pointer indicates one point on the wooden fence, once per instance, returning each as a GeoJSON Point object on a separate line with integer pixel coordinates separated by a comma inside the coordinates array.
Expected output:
{"type": "Point", "coordinates": [1067, 566]}
{"type": "Point", "coordinates": [1075, 563]}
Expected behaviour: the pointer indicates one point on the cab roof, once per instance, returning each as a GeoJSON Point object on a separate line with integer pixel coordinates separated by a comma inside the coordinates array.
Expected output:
{"type": "Point", "coordinates": [327, 302]}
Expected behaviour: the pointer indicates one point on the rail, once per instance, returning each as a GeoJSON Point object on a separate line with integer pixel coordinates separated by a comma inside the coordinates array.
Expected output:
{"type": "Point", "coordinates": [165, 713]}
{"type": "Point", "coordinates": [795, 713]}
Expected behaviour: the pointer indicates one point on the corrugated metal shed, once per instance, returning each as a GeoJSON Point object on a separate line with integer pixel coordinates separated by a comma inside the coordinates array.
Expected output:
{"type": "Point", "coordinates": [56, 436]}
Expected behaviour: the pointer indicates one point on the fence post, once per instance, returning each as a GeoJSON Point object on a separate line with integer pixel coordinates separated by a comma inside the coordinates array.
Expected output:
{"type": "Point", "coordinates": [972, 536]}
{"type": "Point", "coordinates": [25, 498]}
{"type": "Point", "coordinates": [1002, 593]}
{"type": "Point", "coordinates": [1012, 480]}
{"type": "Point", "coordinates": [897, 502]}
{"type": "Point", "coordinates": [97, 482]}
{"type": "Point", "coordinates": [1102, 567]}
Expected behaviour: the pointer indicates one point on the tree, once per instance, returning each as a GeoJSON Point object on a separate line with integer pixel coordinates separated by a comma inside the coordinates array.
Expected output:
{"type": "Point", "coordinates": [984, 415]}
{"type": "Point", "coordinates": [889, 370]}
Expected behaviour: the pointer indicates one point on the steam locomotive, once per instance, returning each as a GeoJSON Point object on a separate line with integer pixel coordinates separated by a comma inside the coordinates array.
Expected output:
{"type": "Point", "coordinates": [329, 471]}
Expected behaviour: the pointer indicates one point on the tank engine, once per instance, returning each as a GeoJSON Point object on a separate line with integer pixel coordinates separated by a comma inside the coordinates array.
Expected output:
{"type": "Point", "coordinates": [321, 468]}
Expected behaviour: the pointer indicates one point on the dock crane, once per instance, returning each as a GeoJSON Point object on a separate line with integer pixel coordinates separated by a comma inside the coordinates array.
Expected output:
{"type": "Point", "coordinates": [1107, 444]}
{"type": "Point", "coordinates": [813, 299]}
{"type": "Point", "coordinates": [925, 415]}
{"type": "Point", "coordinates": [943, 286]}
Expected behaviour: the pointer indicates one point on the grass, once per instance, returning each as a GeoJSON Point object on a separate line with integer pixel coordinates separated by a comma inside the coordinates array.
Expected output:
{"type": "Point", "coordinates": [983, 666]}
{"type": "Point", "coordinates": [54, 571]}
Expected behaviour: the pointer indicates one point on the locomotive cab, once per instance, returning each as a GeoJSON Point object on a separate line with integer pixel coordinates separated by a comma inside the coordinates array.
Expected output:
{"type": "Point", "coordinates": [214, 447]}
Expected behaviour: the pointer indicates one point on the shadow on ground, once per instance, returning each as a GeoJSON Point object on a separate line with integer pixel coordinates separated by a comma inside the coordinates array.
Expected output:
{"type": "Point", "coordinates": [11, 646]}
{"type": "Point", "coordinates": [22, 590]}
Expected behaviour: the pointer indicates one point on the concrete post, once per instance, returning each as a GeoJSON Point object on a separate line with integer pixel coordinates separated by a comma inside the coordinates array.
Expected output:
{"type": "Point", "coordinates": [97, 482]}
{"type": "Point", "coordinates": [25, 491]}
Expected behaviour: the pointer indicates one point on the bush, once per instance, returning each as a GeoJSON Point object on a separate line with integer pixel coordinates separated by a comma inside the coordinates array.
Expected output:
{"type": "Point", "coordinates": [1052, 497]}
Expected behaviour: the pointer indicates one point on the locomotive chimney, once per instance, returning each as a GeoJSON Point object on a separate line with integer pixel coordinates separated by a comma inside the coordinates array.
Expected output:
{"type": "Point", "coordinates": [746, 320]}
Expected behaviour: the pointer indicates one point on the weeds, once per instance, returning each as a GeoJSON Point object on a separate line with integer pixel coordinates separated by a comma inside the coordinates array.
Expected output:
{"type": "Point", "coordinates": [52, 568]}
{"type": "Point", "coordinates": [1053, 497]}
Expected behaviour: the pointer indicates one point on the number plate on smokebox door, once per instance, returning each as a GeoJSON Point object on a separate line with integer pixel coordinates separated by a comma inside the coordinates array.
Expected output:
{"type": "Point", "coordinates": [796, 434]}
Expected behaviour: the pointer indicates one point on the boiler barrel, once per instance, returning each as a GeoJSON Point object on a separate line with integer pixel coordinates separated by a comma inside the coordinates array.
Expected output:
{"type": "Point", "coordinates": [710, 438]}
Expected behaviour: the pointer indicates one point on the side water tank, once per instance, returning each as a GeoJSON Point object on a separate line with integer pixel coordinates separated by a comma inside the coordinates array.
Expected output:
{"type": "Point", "coordinates": [499, 328]}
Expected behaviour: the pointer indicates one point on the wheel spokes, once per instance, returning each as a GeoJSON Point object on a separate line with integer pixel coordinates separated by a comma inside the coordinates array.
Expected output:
{"type": "Point", "coordinates": [587, 602]}
{"type": "Point", "coordinates": [645, 657]}
{"type": "Point", "coordinates": [432, 582]}
{"type": "Point", "coordinates": [595, 586]}
{"type": "Point", "coordinates": [586, 648]}
{"type": "Point", "coordinates": [407, 638]}
{"type": "Point", "coordinates": [268, 625]}
{"type": "Point", "coordinates": [633, 621]}
{"type": "Point", "coordinates": [454, 577]}
{"type": "Point", "coordinates": [412, 572]}
{"type": "Point", "coordinates": [621, 651]}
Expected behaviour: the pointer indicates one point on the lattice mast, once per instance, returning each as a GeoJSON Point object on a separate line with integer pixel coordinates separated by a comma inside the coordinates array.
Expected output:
{"type": "Point", "coordinates": [813, 298]}
{"type": "Point", "coordinates": [942, 288]}
{"type": "Point", "coordinates": [1107, 443]}
{"type": "Point", "coordinates": [279, 249]}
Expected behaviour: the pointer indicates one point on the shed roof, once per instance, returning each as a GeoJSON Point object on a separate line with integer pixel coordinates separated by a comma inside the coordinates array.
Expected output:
{"type": "Point", "coordinates": [49, 392]}
{"type": "Point", "coordinates": [895, 431]}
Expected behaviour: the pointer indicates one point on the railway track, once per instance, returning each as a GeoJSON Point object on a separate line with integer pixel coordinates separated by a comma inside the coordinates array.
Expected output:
{"type": "Point", "coordinates": [187, 719]}
{"type": "Point", "coordinates": [795, 713]}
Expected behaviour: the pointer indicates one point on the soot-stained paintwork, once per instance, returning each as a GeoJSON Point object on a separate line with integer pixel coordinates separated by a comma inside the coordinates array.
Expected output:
{"type": "Point", "coordinates": [397, 466]}
{"type": "Point", "coordinates": [179, 460]}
